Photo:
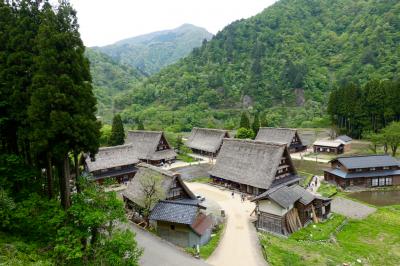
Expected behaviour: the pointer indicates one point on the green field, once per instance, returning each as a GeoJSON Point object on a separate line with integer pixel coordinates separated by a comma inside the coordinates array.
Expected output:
{"type": "Point", "coordinates": [374, 240]}
{"type": "Point", "coordinates": [309, 167]}
{"type": "Point", "coordinates": [208, 249]}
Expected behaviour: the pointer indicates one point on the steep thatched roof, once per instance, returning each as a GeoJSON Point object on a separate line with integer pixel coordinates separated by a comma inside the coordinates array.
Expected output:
{"type": "Point", "coordinates": [280, 135]}
{"type": "Point", "coordinates": [110, 157]}
{"type": "Point", "coordinates": [206, 139]}
{"type": "Point", "coordinates": [249, 162]}
{"type": "Point", "coordinates": [134, 191]}
{"type": "Point", "coordinates": [145, 145]}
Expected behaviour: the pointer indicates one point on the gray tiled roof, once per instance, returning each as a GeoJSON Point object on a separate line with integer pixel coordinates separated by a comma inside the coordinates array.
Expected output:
{"type": "Point", "coordinates": [281, 135]}
{"type": "Point", "coordinates": [206, 139]}
{"type": "Point", "coordinates": [249, 162]}
{"type": "Point", "coordinates": [380, 173]}
{"type": "Point", "coordinates": [288, 195]}
{"type": "Point", "coordinates": [368, 161]}
{"type": "Point", "coordinates": [344, 138]}
{"type": "Point", "coordinates": [175, 212]}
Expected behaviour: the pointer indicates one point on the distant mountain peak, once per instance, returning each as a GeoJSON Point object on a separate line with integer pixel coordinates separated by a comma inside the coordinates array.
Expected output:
{"type": "Point", "coordinates": [153, 51]}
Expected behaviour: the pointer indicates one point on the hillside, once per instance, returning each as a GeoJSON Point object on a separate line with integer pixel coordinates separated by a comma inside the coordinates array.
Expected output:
{"type": "Point", "coordinates": [153, 51]}
{"type": "Point", "coordinates": [283, 61]}
{"type": "Point", "coordinates": [109, 79]}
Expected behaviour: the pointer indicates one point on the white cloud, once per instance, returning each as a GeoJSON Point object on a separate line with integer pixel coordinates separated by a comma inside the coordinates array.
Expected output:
{"type": "Point", "coordinates": [104, 21]}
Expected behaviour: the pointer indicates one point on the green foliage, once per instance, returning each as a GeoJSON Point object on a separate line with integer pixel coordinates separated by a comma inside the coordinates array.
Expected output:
{"type": "Point", "coordinates": [327, 190]}
{"type": "Point", "coordinates": [7, 207]}
{"type": "Point", "coordinates": [105, 135]}
{"type": "Point", "coordinates": [257, 63]}
{"type": "Point", "coordinates": [244, 121]}
{"type": "Point", "coordinates": [373, 240]}
{"type": "Point", "coordinates": [391, 136]}
{"type": "Point", "coordinates": [140, 125]}
{"type": "Point", "coordinates": [244, 133]}
{"type": "Point", "coordinates": [117, 132]}
{"type": "Point", "coordinates": [256, 124]}
{"type": "Point", "coordinates": [357, 110]}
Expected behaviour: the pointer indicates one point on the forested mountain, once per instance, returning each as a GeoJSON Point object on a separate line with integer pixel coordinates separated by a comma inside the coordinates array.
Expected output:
{"type": "Point", "coordinates": [153, 51]}
{"type": "Point", "coordinates": [109, 79]}
{"type": "Point", "coordinates": [283, 61]}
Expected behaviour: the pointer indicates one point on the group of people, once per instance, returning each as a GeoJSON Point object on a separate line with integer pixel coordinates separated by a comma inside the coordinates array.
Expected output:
{"type": "Point", "coordinates": [242, 196]}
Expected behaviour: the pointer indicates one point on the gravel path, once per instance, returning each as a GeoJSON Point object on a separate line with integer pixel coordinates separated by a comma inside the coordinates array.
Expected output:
{"type": "Point", "coordinates": [239, 245]}
{"type": "Point", "coordinates": [158, 252]}
{"type": "Point", "coordinates": [350, 208]}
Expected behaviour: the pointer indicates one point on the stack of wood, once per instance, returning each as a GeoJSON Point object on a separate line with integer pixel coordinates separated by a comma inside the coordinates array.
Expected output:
{"type": "Point", "coordinates": [293, 220]}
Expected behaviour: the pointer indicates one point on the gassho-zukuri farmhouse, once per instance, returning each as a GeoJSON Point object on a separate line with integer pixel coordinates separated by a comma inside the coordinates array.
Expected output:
{"type": "Point", "coordinates": [120, 161]}
{"type": "Point", "coordinates": [206, 141]}
{"type": "Point", "coordinates": [282, 135]}
{"type": "Point", "coordinates": [253, 166]}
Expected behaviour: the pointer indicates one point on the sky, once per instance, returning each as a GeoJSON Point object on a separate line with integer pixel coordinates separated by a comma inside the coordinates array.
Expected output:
{"type": "Point", "coordinates": [104, 22]}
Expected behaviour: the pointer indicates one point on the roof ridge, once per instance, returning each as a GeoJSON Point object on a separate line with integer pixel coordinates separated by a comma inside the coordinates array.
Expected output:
{"type": "Point", "coordinates": [179, 203]}
{"type": "Point", "coordinates": [211, 129]}
{"type": "Point", "coordinates": [145, 131]}
{"type": "Point", "coordinates": [280, 128]}
{"type": "Point", "coordinates": [265, 143]}
{"type": "Point", "coordinates": [364, 155]}
{"type": "Point", "coordinates": [115, 147]}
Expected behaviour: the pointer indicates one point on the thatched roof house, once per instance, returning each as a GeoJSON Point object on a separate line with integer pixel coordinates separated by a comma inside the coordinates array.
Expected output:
{"type": "Point", "coordinates": [206, 140]}
{"type": "Point", "coordinates": [288, 136]}
{"type": "Point", "coordinates": [117, 161]}
{"type": "Point", "coordinates": [172, 186]}
{"type": "Point", "coordinates": [253, 166]}
{"type": "Point", "coordinates": [150, 146]}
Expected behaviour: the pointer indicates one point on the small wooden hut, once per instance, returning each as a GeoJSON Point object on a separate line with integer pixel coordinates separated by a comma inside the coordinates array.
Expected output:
{"type": "Point", "coordinates": [285, 209]}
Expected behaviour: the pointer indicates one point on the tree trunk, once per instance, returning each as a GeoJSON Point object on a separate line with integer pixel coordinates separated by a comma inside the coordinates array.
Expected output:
{"type": "Point", "coordinates": [94, 236]}
{"type": "Point", "coordinates": [77, 174]}
{"type": "Point", "coordinates": [394, 150]}
{"type": "Point", "coordinates": [64, 184]}
{"type": "Point", "coordinates": [49, 172]}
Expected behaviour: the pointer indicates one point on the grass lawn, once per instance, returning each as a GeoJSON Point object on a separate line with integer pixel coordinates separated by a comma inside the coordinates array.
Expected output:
{"type": "Point", "coordinates": [208, 249]}
{"type": "Point", "coordinates": [203, 180]}
{"type": "Point", "coordinates": [186, 158]}
{"type": "Point", "coordinates": [374, 240]}
{"type": "Point", "coordinates": [327, 190]}
{"type": "Point", "coordinates": [310, 167]}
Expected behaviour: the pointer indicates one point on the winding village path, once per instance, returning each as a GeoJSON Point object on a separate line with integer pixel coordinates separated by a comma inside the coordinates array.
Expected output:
{"type": "Point", "coordinates": [239, 245]}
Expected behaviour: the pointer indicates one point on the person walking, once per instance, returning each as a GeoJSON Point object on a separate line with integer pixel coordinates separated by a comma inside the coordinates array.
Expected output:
{"type": "Point", "coordinates": [233, 195]}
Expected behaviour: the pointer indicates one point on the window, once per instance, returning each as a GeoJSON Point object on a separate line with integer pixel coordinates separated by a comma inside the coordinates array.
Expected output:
{"type": "Point", "coordinates": [374, 182]}
{"type": "Point", "coordinates": [358, 170]}
{"type": "Point", "coordinates": [172, 227]}
{"type": "Point", "coordinates": [372, 169]}
{"type": "Point", "coordinates": [381, 182]}
{"type": "Point", "coordinates": [388, 181]}
{"type": "Point", "coordinates": [386, 168]}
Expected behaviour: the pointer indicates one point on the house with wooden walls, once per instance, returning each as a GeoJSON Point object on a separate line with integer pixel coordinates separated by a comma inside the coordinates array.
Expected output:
{"type": "Point", "coordinates": [117, 162]}
{"type": "Point", "coordinates": [282, 135]}
{"type": "Point", "coordinates": [367, 171]}
{"type": "Point", "coordinates": [206, 141]}
{"type": "Point", "coordinates": [328, 146]}
{"type": "Point", "coordinates": [178, 215]}
{"type": "Point", "coordinates": [286, 209]}
{"type": "Point", "coordinates": [253, 166]}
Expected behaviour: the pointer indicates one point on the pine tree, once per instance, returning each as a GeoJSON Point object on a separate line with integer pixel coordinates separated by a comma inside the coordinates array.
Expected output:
{"type": "Point", "coordinates": [256, 124]}
{"type": "Point", "coordinates": [117, 132]}
{"type": "Point", "coordinates": [244, 121]}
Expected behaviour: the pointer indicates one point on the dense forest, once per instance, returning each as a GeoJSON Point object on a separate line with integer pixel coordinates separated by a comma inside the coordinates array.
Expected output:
{"type": "Point", "coordinates": [359, 111]}
{"type": "Point", "coordinates": [47, 122]}
{"type": "Point", "coordinates": [109, 79]}
{"type": "Point", "coordinates": [282, 63]}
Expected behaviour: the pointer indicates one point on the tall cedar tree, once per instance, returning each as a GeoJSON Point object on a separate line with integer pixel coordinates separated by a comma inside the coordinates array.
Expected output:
{"type": "Point", "coordinates": [256, 124]}
{"type": "Point", "coordinates": [140, 125]}
{"type": "Point", "coordinates": [244, 121]}
{"type": "Point", "coordinates": [62, 106]}
{"type": "Point", "coordinates": [117, 132]}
